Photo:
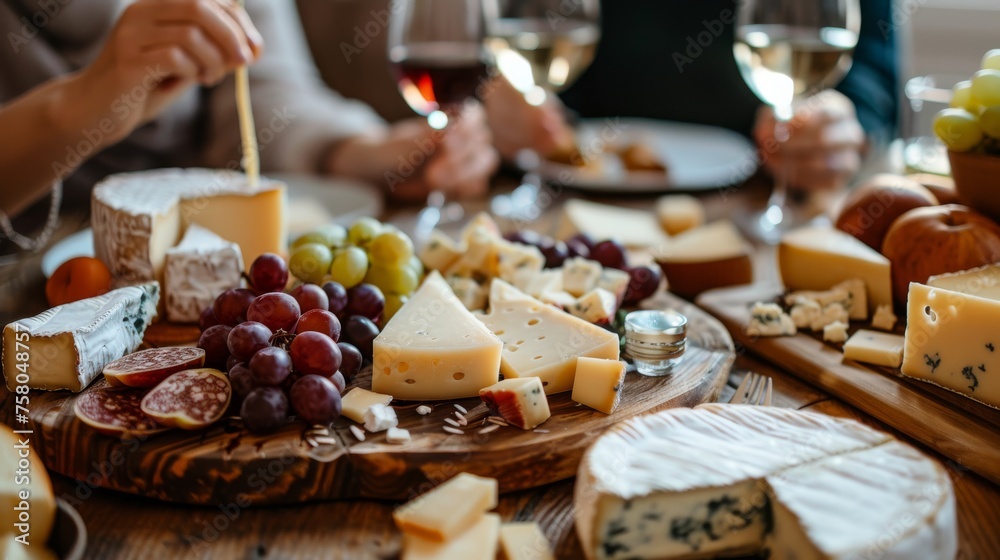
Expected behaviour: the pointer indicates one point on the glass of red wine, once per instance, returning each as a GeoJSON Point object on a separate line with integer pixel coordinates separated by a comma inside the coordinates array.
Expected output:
{"type": "Point", "coordinates": [440, 61]}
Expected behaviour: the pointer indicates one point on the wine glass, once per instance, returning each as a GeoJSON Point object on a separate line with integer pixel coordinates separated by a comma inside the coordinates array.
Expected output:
{"type": "Point", "coordinates": [540, 47]}
{"type": "Point", "coordinates": [786, 51]}
{"type": "Point", "coordinates": [439, 60]}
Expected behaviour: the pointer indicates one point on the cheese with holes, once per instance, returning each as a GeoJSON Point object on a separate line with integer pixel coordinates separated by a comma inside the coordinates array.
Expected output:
{"type": "Point", "coordinates": [737, 480]}
{"type": "Point", "coordinates": [542, 341]}
{"type": "Point", "coordinates": [478, 542]}
{"type": "Point", "coordinates": [633, 228]}
{"type": "Point", "coordinates": [38, 502]}
{"type": "Point", "coordinates": [679, 212]}
{"type": "Point", "coordinates": [137, 217]}
{"type": "Point", "coordinates": [704, 258]}
{"type": "Point", "coordinates": [598, 306]}
{"type": "Point", "coordinates": [67, 346]}
{"type": "Point", "coordinates": [952, 341]}
{"type": "Point", "coordinates": [524, 541]}
{"type": "Point", "coordinates": [599, 383]}
{"type": "Point", "coordinates": [197, 270]}
{"type": "Point", "coordinates": [818, 258]}
{"type": "Point", "coordinates": [449, 510]}
{"type": "Point", "coordinates": [580, 275]}
{"type": "Point", "coordinates": [983, 281]}
{"type": "Point", "coordinates": [433, 348]}
{"type": "Point", "coordinates": [520, 401]}
{"type": "Point", "coordinates": [876, 348]}
{"type": "Point", "coordinates": [357, 401]}
{"type": "Point", "coordinates": [884, 318]}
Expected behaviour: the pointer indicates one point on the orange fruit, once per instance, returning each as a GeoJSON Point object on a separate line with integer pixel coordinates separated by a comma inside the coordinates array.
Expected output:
{"type": "Point", "coordinates": [76, 279]}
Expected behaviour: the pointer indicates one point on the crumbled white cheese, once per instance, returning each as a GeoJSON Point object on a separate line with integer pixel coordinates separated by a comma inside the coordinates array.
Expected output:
{"type": "Point", "coordinates": [380, 417]}
{"type": "Point", "coordinates": [397, 435]}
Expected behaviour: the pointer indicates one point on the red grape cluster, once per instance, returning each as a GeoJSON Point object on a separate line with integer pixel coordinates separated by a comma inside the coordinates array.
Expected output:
{"type": "Point", "coordinates": [644, 280]}
{"type": "Point", "coordinates": [289, 353]}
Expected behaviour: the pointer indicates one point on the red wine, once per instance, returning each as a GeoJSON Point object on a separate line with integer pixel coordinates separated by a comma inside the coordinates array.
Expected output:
{"type": "Point", "coordinates": [433, 76]}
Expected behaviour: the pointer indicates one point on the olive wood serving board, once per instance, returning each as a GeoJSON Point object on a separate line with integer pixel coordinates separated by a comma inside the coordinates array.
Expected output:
{"type": "Point", "coordinates": [225, 464]}
{"type": "Point", "coordinates": [961, 429]}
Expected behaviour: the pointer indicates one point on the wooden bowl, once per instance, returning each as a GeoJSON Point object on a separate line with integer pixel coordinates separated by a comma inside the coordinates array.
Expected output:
{"type": "Point", "coordinates": [69, 534]}
{"type": "Point", "coordinates": [977, 180]}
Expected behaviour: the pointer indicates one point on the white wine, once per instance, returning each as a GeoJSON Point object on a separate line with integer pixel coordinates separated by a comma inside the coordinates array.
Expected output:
{"type": "Point", "coordinates": [781, 62]}
{"type": "Point", "coordinates": [556, 52]}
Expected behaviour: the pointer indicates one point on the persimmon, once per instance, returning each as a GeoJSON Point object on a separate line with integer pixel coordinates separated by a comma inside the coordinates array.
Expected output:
{"type": "Point", "coordinates": [76, 279]}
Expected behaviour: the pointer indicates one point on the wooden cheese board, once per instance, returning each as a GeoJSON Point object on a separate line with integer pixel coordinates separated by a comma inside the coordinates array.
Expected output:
{"type": "Point", "coordinates": [961, 429]}
{"type": "Point", "coordinates": [226, 464]}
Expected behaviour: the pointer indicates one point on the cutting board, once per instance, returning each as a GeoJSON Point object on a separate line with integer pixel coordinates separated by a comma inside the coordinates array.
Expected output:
{"type": "Point", "coordinates": [227, 465]}
{"type": "Point", "coordinates": [961, 429]}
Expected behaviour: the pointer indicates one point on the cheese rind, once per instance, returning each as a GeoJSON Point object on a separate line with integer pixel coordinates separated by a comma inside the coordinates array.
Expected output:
{"type": "Point", "coordinates": [524, 541]}
{"type": "Point", "coordinates": [876, 348]}
{"type": "Point", "coordinates": [951, 341]}
{"type": "Point", "coordinates": [197, 270]}
{"type": "Point", "coordinates": [478, 542]}
{"type": "Point", "coordinates": [67, 346]}
{"type": "Point", "coordinates": [731, 480]}
{"type": "Point", "coordinates": [519, 401]}
{"type": "Point", "coordinates": [711, 256]}
{"type": "Point", "coordinates": [598, 383]}
{"type": "Point", "coordinates": [137, 217]}
{"type": "Point", "coordinates": [983, 281]}
{"type": "Point", "coordinates": [357, 401]}
{"type": "Point", "coordinates": [448, 510]}
{"type": "Point", "coordinates": [433, 348]}
{"type": "Point", "coordinates": [542, 341]}
{"type": "Point", "coordinates": [818, 258]}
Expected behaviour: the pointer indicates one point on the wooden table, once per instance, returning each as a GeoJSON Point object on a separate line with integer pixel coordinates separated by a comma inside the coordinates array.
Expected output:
{"type": "Point", "coordinates": [122, 526]}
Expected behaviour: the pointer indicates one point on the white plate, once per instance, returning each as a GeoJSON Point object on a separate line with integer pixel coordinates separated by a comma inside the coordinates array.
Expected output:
{"type": "Point", "coordinates": [312, 201]}
{"type": "Point", "coordinates": [698, 157]}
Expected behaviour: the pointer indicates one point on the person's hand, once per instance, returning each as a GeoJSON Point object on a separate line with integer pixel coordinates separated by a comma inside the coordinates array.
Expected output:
{"type": "Point", "coordinates": [411, 159]}
{"type": "Point", "coordinates": [160, 48]}
{"type": "Point", "coordinates": [824, 145]}
{"type": "Point", "coordinates": [518, 125]}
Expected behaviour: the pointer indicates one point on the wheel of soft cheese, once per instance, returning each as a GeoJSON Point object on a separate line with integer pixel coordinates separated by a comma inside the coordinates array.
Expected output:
{"type": "Point", "coordinates": [137, 217]}
{"type": "Point", "coordinates": [734, 480]}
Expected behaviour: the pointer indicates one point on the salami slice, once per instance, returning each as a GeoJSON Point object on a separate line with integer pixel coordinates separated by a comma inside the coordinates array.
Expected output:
{"type": "Point", "coordinates": [149, 367]}
{"type": "Point", "coordinates": [115, 412]}
{"type": "Point", "coordinates": [190, 399]}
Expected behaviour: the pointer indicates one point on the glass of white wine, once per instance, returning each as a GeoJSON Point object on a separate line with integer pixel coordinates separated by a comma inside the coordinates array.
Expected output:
{"type": "Point", "coordinates": [788, 50]}
{"type": "Point", "coordinates": [540, 47]}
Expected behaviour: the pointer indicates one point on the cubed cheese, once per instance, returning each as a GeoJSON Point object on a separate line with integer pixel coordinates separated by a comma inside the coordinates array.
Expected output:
{"type": "Point", "coordinates": [615, 281]}
{"type": "Point", "coordinates": [397, 435]}
{"type": "Point", "coordinates": [580, 275]}
{"type": "Point", "coordinates": [449, 510]}
{"type": "Point", "coordinates": [679, 212]}
{"type": "Point", "coordinates": [599, 383]}
{"type": "Point", "coordinates": [524, 541]}
{"type": "Point", "coordinates": [539, 283]}
{"type": "Point", "coordinates": [434, 348]}
{"type": "Point", "coordinates": [598, 306]}
{"type": "Point", "coordinates": [380, 417]}
{"type": "Point", "coordinates": [768, 319]}
{"type": "Point", "coordinates": [519, 401]}
{"type": "Point", "coordinates": [835, 332]}
{"type": "Point", "coordinates": [831, 313]}
{"type": "Point", "coordinates": [559, 299]}
{"type": "Point", "coordinates": [469, 292]}
{"type": "Point", "coordinates": [439, 252]}
{"type": "Point", "coordinates": [876, 348]}
{"type": "Point", "coordinates": [478, 542]}
{"type": "Point", "coordinates": [884, 318]}
{"type": "Point", "coordinates": [515, 260]}
{"type": "Point", "coordinates": [804, 311]}
{"type": "Point", "coordinates": [357, 401]}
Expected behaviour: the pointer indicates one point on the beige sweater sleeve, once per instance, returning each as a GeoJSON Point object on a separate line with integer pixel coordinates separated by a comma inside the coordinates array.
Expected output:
{"type": "Point", "coordinates": [298, 118]}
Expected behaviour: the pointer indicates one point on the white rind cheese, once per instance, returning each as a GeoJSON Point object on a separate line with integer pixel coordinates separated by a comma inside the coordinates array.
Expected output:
{"type": "Point", "coordinates": [137, 217]}
{"type": "Point", "coordinates": [67, 346]}
{"type": "Point", "coordinates": [197, 270]}
{"type": "Point", "coordinates": [739, 480]}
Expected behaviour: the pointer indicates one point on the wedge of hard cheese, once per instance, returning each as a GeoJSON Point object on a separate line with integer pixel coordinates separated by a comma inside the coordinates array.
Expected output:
{"type": "Point", "coordinates": [434, 348]}
{"type": "Point", "coordinates": [704, 258]}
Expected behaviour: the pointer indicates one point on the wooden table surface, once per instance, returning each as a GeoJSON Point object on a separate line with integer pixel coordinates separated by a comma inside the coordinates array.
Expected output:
{"type": "Point", "coordinates": [122, 526]}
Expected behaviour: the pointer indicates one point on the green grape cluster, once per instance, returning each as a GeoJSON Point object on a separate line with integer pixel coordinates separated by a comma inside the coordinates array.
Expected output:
{"type": "Point", "coordinates": [368, 251]}
{"type": "Point", "coordinates": [972, 122]}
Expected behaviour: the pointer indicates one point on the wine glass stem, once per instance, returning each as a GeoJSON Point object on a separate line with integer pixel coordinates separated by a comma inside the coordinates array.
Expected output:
{"type": "Point", "coordinates": [777, 213]}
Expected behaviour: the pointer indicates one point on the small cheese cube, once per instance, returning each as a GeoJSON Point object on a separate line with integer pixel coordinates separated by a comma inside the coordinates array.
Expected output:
{"type": "Point", "coordinates": [835, 332]}
{"type": "Point", "coordinates": [481, 223]}
{"type": "Point", "coordinates": [439, 252]}
{"type": "Point", "coordinates": [478, 542]}
{"type": "Point", "coordinates": [397, 435]}
{"type": "Point", "coordinates": [479, 259]}
{"type": "Point", "coordinates": [876, 348]}
{"type": "Point", "coordinates": [804, 312]}
{"type": "Point", "coordinates": [519, 401]}
{"type": "Point", "coordinates": [515, 260]}
{"type": "Point", "coordinates": [380, 417]}
{"type": "Point", "coordinates": [884, 318]}
{"type": "Point", "coordinates": [857, 305]}
{"type": "Point", "coordinates": [767, 319]}
{"type": "Point", "coordinates": [599, 383]}
{"type": "Point", "coordinates": [357, 401]}
{"type": "Point", "coordinates": [469, 292]}
{"type": "Point", "coordinates": [598, 306]}
{"type": "Point", "coordinates": [830, 314]}
{"type": "Point", "coordinates": [524, 541]}
{"type": "Point", "coordinates": [449, 510]}
{"type": "Point", "coordinates": [538, 283]}
{"type": "Point", "coordinates": [615, 281]}
{"type": "Point", "coordinates": [562, 300]}
{"type": "Point", "coordinates": [580, 275]}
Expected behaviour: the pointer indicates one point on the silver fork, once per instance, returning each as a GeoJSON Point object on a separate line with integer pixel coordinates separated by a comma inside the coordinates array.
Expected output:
{"type": "Point", "coordinates": [755, 389]}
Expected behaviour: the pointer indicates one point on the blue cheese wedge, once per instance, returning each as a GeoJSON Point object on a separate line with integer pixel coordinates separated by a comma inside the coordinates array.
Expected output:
{"type": "Point", "coordinates": [722, 480]}
{"type": "Point", "coordinates": [67, 346]}
{"type": "Point", "coordinates": [768, 319]}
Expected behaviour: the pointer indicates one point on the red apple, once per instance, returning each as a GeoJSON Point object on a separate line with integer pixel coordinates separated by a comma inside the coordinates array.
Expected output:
{"type": "Point", "coordinates": [869, 211]}
{"type": "Point", "coordinates": [943, 188]}
{"type": "Point", "coordinates": [939, 239]}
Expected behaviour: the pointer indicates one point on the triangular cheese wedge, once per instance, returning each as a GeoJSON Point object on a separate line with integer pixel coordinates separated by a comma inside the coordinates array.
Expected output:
{"type": "Point", "coordinates": [433, 348]}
